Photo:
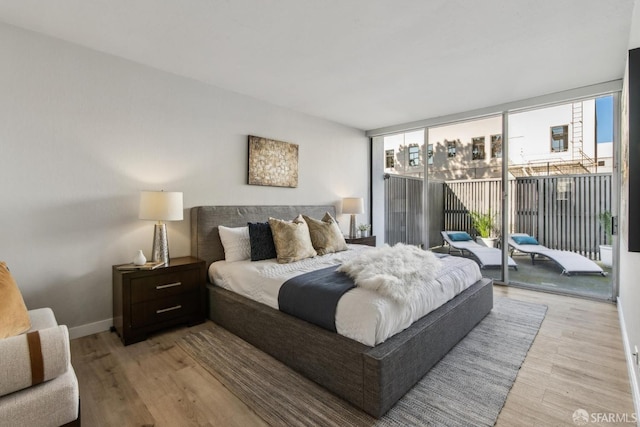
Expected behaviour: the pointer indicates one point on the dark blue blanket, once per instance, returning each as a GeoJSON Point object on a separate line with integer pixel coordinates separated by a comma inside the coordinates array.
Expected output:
{"type": "Point", "coordinates": [314, 296]}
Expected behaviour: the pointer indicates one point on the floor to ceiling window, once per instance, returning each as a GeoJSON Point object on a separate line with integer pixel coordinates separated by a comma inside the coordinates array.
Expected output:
{"type": "Point", "coordinates": [403, 187]}
{"type": "Point", "coordinates": [558, 170]}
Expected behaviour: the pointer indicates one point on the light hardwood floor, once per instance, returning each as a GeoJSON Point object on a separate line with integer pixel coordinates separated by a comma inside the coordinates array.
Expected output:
{"type": "Point", "coordinates": [576, 361]}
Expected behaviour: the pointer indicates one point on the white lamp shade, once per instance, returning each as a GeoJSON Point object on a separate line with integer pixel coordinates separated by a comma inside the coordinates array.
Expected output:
{"type": "Point", "coordinates": [352, 205]}
{"type": "Point", "coordinates": [161, 205]}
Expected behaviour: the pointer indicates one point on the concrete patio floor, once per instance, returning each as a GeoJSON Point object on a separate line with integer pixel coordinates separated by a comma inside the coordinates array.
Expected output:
{"type": "Point", "coordinates": [545, 275]}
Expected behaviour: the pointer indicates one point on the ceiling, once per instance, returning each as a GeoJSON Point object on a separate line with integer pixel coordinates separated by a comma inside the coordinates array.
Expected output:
{"type": "Point", "coordinates": [364, 63]}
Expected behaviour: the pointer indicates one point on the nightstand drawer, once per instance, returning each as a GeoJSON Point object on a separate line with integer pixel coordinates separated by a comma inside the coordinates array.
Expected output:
{"type": "Point", "coordinates": [146, 301]}
{"type": "Point", "coordinates": [159, 310]}
{"type": "Point", "coordinates": [164, 285]}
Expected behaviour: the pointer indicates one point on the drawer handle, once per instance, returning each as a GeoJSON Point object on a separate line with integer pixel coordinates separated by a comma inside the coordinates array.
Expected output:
{"type": "Point", "coordinates": [164, 310]}
{"type": "Point", "coordinates": [170, 285]}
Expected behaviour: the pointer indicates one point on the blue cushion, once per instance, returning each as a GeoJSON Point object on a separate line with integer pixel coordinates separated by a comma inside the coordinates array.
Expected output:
{"type": "Point", "coordinates": [525, 240]}
{"type": "Point", "coordinates": [261, 240]}
{"type": "Point", "coordinates": [460, 236]}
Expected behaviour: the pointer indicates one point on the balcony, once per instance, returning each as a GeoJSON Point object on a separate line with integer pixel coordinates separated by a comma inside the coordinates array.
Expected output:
{"type": "Point", "coordinates": [561, 211]}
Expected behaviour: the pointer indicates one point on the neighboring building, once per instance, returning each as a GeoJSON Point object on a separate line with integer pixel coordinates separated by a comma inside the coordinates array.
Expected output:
{"type": "Point", "coordinates": [557, 140]}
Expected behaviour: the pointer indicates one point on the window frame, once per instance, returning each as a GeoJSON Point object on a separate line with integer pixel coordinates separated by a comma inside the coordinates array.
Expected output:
{"type": "Point", "coordinates": [413, 157]}
{"type": "Point", "coordinates": [565, 138]}
{"type": "Point", "coordinates": [480, 153]}
{"type": "Point", "coordinates": [451, 148]}
{"type": "Point", "coordinates": [390, 154]}
{"type": "Point", "coordinates": [495, 140]}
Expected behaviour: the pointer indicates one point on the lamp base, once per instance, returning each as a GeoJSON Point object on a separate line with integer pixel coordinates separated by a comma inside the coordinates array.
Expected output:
{"type": "Point", "coordinates": [160, 250]}
{"type": "Point", "coordinates": [352, 227]}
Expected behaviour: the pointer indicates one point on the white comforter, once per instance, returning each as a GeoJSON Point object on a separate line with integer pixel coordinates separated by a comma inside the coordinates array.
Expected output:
{"type": "Point", "coordinates": [362, 315]}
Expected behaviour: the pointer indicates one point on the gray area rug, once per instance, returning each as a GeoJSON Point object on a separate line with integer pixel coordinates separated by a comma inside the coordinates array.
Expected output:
{"type": "Point", "coordinates": [468, 387]}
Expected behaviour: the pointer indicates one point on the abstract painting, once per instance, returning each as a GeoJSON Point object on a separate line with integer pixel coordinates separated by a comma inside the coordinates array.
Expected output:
{"type": "Point", "coordinates": [273, 163]}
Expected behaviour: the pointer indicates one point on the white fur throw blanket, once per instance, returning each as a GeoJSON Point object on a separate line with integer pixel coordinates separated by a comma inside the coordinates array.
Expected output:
{"type": "Point", "coordinates": [394, 271]}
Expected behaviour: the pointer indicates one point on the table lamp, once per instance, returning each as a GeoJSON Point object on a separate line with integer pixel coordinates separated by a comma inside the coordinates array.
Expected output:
{"type": "Point", "coordinates": [160, 206]}
{"type": "Point", "coordinates": [353, 206]}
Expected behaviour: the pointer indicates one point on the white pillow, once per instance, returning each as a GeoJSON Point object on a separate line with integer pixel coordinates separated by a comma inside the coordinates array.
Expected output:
{"type": "Point", "coordinates": [236, 243]}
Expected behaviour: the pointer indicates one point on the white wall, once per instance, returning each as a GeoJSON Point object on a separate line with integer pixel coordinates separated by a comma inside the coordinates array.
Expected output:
{"type": "Point", "coordinates": [530, 132]}
{"type": "Point", "coordinates": [83, 132]}
{"type": "Point", "coordinates": [629, 299]}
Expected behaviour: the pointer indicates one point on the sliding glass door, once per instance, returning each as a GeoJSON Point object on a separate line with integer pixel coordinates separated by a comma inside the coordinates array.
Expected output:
{"type": "Point", "coordinates": [561, 181]}
{"type": "Point", "coordinates": [464, 190]}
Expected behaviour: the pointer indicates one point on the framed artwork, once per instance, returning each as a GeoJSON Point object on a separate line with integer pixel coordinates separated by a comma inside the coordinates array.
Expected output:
{"type": "Point", "coordinates": [273, 163]}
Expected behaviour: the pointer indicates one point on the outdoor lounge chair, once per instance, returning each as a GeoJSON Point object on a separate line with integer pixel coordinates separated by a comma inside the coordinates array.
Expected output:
{"type": "Point", "coordinates": [486, 257]}
{"type": "Point", "coordinates": [571, 262]}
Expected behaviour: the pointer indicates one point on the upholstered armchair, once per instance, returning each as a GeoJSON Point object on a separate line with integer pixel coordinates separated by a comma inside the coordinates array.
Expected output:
{"type": "Point", "coordinates": [38, 386]}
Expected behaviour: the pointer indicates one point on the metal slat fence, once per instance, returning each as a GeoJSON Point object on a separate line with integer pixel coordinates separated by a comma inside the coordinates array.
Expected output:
{"type": "Point", "coordinates": [562, 212]}
{"type": "Point", "coordinates": [403, 210]}
{"type": "Point", "coordinates": [462, 197]}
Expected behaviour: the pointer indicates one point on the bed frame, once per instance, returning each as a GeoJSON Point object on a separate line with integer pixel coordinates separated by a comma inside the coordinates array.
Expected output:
{"type": "Point", "coordinates": [371, 378]}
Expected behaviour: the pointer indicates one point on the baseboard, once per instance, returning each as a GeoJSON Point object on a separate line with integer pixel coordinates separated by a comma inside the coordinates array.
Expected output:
{"type": "Point", "coordinates": [90, 328]}
{"type": "Point", "coordinates": [633, 376]}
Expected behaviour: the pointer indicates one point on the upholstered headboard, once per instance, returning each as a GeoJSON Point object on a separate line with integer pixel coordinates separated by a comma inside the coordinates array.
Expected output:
{"type": "Point", "coordinates": [205, 240]}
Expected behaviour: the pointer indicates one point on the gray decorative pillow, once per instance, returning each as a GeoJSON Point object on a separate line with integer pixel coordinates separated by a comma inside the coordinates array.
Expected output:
{"type": "Point", "coordinates": [291, 239]}
{"type": "Point", "coordinates": [326, 236]}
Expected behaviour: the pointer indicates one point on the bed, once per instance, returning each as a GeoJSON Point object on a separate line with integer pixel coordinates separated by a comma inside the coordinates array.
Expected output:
{"type": "Point", "coordinates": [370, 378]}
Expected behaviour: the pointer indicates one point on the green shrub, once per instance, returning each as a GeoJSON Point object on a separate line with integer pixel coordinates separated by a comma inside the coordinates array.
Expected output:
{"type": "Point", "coordinates": [482, 222]}
{"type": "Point", "coordinates": [605, 221]}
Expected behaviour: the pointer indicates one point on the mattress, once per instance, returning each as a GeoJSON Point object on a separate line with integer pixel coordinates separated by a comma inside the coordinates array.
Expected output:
{"type": "Point", "coordinates": [362, 315]}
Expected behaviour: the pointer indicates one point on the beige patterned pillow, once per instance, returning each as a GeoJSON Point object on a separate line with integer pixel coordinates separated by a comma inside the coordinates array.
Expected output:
{"type": "Point", "coordinates": [326, 236]}
{"type": "Point", "coordinates": [291, 239]}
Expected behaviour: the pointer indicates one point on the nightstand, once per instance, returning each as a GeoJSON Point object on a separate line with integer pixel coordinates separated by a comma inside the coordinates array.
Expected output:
{"type": "Point", "coordinates": [146, 301]}
{"type": "Point", "coordinates": [370, 241]}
